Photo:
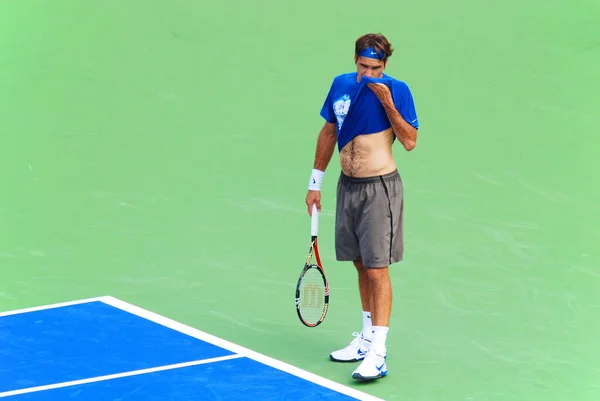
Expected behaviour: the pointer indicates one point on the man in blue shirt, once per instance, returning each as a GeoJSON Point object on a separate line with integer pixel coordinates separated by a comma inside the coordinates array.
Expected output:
{"type": "Point", "coordinates": [365, 112]}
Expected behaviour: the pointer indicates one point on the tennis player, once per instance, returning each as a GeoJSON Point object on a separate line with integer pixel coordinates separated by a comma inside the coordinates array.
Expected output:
{"type": "Point", "coordinates": [365, 112]}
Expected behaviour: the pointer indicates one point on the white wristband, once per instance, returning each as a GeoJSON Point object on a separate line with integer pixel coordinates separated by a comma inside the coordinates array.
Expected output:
{"type": "Point", "coordinates": [316, 179]}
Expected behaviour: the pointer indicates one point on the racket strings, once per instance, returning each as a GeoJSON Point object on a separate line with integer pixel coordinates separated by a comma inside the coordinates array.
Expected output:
{"type": "Point", "coordinates": [312, 295]}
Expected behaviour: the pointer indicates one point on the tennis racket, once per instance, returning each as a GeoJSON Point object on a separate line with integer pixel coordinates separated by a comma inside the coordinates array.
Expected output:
{"type": "Point", "coordinates": [312, 290]}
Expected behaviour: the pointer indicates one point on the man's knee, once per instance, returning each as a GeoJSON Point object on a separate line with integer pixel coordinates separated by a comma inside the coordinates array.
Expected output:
{"type": "Point", "coordinates": [359, 266]}
{"type": "Point", "coordinates": [378, 273]}
{"type": "Point", "coordinates": [374, 274]}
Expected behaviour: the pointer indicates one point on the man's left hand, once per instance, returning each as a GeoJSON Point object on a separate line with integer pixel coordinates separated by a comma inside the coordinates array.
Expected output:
{"type": "Point", "coordinates": [382, 92]}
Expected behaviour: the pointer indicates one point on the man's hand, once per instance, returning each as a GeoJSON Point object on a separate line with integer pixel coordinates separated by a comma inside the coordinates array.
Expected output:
{"type": "Point", "coordinates": [383, 93]}
{"type": "Point", "coordinates": [406, 133]}
{"type": "Point", "coordinates": [311, 198]}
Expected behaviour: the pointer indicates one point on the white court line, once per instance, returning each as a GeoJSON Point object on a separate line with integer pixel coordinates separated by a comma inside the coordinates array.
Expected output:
{"type": "Point", "coordinates": [238, 349]}
{"type": "Point", "coordinates": [182, 328]}
{"type": "Point", "coordinates": [117, 375]}
{"type": "Point", "coordinates": [50, 306]}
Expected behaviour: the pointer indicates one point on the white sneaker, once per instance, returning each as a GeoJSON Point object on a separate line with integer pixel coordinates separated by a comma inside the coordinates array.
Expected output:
{"type": "Point", "coordinates": [373, 367]}
{"type": "Point", "coordinates": [355, 351]}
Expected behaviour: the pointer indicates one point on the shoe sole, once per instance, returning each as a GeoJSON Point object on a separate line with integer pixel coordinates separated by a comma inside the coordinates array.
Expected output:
{"type": "Point", "coordinates": [346, 360]}
{"type": "Point", "coordinates": [358, 376]}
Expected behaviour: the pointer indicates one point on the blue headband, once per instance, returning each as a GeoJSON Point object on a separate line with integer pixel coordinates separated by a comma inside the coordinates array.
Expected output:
{"type": "Point", "coordinates": [371, 53]}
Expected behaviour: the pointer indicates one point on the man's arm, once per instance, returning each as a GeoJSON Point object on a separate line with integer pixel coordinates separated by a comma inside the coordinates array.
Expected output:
{"type": "Point", "coordinates": [325, 146]}
{"type": "Point", "coordinates": [406, 133]}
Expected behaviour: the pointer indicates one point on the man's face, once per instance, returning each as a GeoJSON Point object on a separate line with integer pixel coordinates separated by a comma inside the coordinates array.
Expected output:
{"type": "Point", "coordinates": [369, 67]}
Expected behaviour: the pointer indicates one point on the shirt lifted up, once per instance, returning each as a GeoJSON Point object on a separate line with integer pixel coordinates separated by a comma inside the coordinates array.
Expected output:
{"type": "Point", "coordinates": [356, 110]}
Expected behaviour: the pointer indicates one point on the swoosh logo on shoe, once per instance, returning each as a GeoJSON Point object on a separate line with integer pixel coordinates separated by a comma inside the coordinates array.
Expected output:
{"type": "Point", "coordinates": [380, 367]}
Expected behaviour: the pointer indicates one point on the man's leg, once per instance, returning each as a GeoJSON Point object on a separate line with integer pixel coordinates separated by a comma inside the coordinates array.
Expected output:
{"type": "Point", "coordinates": [347, 249]}
{"type": "Point", "coordinates": [381, 244]}
{"type": "Point", "coordinates": [380, 288]}
{"type": "Point", "coordinates": [381, 292]}
{"type": "Point", "coordinates": [358, 348]}
{"type": "Point", "coordinates": [364, 287]}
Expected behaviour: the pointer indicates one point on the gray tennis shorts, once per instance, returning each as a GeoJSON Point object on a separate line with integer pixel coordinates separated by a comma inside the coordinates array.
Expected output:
{"type": "Point", "coordinates": [369, 220]}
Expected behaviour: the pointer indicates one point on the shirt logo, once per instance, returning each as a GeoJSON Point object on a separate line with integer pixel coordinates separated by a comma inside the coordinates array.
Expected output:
{"type": "Point", "coordinates": [340, 109]}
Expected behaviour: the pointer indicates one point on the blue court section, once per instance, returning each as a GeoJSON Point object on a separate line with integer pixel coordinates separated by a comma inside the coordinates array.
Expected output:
{"type": "Point", "coordinates": [87, 341]}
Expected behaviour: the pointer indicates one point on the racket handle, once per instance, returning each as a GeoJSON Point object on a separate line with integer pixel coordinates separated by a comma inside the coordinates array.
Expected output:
{"type": "Point", "coordinates": [314, 221]}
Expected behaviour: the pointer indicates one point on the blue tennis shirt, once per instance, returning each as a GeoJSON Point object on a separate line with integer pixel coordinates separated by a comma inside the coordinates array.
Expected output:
{"type": "Point", "coordinates": [356, 110]}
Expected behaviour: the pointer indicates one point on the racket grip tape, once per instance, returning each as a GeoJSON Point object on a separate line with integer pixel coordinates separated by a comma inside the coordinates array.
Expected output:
{"type": "Point", "coordinates": [314, 221]}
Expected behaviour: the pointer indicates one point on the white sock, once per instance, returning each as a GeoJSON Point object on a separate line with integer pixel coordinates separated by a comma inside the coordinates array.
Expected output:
{"type": "Point", "coordinates": [379, 338]}
{"type": "Point", "coordinates": [367, 331]}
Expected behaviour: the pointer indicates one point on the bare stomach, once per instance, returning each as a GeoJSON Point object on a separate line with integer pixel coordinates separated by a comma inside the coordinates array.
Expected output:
{"type": "Point", "coordinates": [368, 155]}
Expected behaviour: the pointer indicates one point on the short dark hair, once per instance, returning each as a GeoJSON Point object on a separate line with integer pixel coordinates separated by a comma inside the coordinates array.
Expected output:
{"type": "Point", "coordinates": [377, 41]}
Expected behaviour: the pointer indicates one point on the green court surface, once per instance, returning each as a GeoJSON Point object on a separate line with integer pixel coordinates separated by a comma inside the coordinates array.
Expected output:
{"type": "Point", "coordinates": [159, 152]}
